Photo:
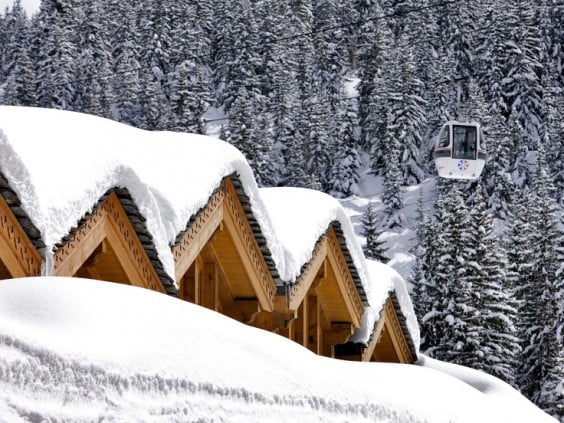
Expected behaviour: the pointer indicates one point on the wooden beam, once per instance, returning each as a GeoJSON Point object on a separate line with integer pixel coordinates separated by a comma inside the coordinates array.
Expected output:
{"type": "Point", "coordinates": [16, 250]}
{"type": "Point", "coordinates": [198, 235]}
{"type": "Point", "coordinates": [399, 341]}
{"type": "Point", "coordinates": [235, 220]}
{"type": "Point", "coordinates": [368, 352]}
{"type": "Point", "coordinates": [127, 247]}
{"type": "Point", "coordinates": [344, 279]}
{"type": "Point", "coordinates": [299, 290]}
{"type": "Point", "coordinates": [80, 245]}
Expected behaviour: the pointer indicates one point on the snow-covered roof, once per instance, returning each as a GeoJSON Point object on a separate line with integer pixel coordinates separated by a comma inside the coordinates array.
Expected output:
{"type": "Point", "coordinates": [386, 281]}
{"type": "Point", "coordinates": [61, 163]}
{"type": "Point", "coordinates": [63, 360]}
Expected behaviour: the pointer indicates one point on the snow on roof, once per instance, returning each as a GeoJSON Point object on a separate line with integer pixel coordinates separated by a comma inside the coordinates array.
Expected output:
{"type": "Point", "coordinates": [60, 163]}
{"type": "Point", "coordinates": [385, 280]}
{"type": "Point", "coordinates": [301, 216]}
{"type": "Point", "coordinates": [63, 360]}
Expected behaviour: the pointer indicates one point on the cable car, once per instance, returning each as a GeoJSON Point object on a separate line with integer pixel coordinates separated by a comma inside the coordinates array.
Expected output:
{"type": "Point", "coordinates": [460, 151]}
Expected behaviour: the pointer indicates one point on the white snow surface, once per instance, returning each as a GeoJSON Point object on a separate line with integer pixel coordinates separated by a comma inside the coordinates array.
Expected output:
{"type": "Point", "coordinates": [60, 163]}
{"type": "Point", "coordinates": [386, 280]}
{"type": "Point", "coordinates": [80, 350]}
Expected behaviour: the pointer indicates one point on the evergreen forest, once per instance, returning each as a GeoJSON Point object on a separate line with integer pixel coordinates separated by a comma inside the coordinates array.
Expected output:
{"type": "Point", "coordinates": [316, 92]}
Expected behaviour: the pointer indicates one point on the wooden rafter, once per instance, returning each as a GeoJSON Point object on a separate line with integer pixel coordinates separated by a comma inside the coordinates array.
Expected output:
{"type": "Point", "coordinates": [389, 322]}
{"type": "Point", "coordinates": [16, 250]}
{"type": "Point", "coordinates": [108, 223]}
{"type": "Point", "coordinates": [304, 283]}
{"type": "Point", "coordinates": [344, 278]}
{"type": "Point", "coordinates": [236, 222]}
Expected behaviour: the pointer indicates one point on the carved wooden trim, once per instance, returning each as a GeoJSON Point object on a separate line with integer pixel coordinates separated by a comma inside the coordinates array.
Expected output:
{"type": "Point", "coordinates": [80, 244]}
{"type": "Point", "coordinates": [342, 272]}
{"type": "Point", "coordinates": [117, 218]}
{"type": "Point", "coordinates": [198, 234]}
{"type": "Point", "coordinates": [16, 250]}
{"type": "Point", "coordinates": [109, 220]}
{"type": "Point", "coordinates": [298, 291]}
{"type": "Point", "coordinates": [396, 332]}
{"type": "Point", "coordinates": [265, 287]}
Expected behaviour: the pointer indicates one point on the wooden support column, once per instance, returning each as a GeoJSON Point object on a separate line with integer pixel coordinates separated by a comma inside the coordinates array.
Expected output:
{"type": "Point", "coordinates": [305, 322]}
{"type": "Point", "coordinates": [209, 287]}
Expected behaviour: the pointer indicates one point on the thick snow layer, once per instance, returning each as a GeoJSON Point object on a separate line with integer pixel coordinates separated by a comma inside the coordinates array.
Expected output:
{"type": "Point", "coordinates": [60, 164]}
{"type": "Point", "coordinates": [300, 217]}
{"type": "Point", "coordinates": [83, 350]}
{"type": "Point", "coordinates": [384, 281]}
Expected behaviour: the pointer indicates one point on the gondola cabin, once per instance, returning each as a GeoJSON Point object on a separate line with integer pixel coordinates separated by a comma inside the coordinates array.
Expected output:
{"type": "Point", "coordinates": [460, 150]}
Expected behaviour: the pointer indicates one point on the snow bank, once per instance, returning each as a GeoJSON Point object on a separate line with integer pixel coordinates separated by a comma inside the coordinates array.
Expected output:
{"type": "Point", "coordinates": [82, 350]}
{"type": "Point", "coordinates": [60, 164]}
{"type": "Point", "coordinates": [495, 390]}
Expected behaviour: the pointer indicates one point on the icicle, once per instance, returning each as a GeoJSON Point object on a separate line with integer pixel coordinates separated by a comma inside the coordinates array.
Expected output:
{"type": "Point", "coordinates": [47, 267]}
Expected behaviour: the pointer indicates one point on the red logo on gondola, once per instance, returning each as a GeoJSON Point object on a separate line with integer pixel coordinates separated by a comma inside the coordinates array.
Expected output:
{"type": "Point", "coordinates": [463, 165]}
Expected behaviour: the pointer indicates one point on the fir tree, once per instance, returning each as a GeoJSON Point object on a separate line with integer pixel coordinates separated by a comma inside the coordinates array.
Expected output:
{"type": "Point", "coordinates": [495, 324]}
{"type": "Point", "coordinates": [374, 248]}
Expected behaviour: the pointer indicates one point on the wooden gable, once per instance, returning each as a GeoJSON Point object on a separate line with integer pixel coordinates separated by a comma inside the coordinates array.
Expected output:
{"type": "Point", "coordinates": [325, 300]}
{"type": "Point", "coordinates": [389, 342]}
{"type": "Point", "coordinates": [219, 263]}
{"type": "Point", "coordinates": [18, 255]}
{"type": "Point", "coordinates": [107, 247]}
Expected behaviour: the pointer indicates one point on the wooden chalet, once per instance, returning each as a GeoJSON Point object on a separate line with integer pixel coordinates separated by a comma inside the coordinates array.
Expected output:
{"type": "Point", "coordinates": [222, 261]}
{"type": "Point", "coordinates": [111, 243]}
{"type": "Point", "coordinates": [389, 342]}
{"type": "Point", "coordinates": [328, 298]}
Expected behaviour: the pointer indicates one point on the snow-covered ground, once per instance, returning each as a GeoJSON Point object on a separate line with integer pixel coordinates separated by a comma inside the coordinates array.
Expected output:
{"type": "Point", "coordinates": [83, 350]}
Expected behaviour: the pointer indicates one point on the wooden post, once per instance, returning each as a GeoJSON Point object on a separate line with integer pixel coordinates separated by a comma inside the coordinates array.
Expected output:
{"type": "Point", "coordinates": [305, 322]}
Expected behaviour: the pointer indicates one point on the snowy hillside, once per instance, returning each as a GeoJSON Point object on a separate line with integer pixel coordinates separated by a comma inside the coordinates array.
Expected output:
{"type": "Point", "coordinates": [81, 350]}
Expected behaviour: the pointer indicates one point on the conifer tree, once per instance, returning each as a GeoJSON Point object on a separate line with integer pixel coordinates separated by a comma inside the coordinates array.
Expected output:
{"type": "Point", "coordinates": [393, 203]}
{"type": "Point", "coordinates": [55, 26]}
{"type": "Point", "coordinates": [20, 82]}
{"type": "Point", "coordinates": [374, 248]}
{"type": "Point", "coordinates": [93, 90]}
{"type": "Point", "coordinates": [541, 351]}
{"type": "Point", "coordinates": [494, 326]}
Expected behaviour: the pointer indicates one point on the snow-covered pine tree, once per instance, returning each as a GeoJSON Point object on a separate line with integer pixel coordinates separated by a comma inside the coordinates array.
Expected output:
{"type": "Point", "coordinates": [189, 97]}
{"type": "Point", "coordinates": [343, 174]}
{"type": "Point", "coordinates": [443, 325]}
{"type": "Point", "coordinates": [54, 30]}
{"type": "Point", "coordinates": [521, 85]}
{"type": "Point", "coordinates": [391, 198]}
{"type": "Point", "coordinates": [93, 89]}
{"type": "Point", "coordinates": [126, 83]}
{"type": "Point", "coordinates": [374, 249]}
{"type": "Point", "coordinates": [542, 352]}
{"type": "Point", "coordinates": [494, 326]}
{"type": "Point", "coordinates": [18, 82]}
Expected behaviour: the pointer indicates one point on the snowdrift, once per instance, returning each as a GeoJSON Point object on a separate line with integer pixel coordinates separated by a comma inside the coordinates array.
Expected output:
{"type": "Point", "coordinates": [83, 350]}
